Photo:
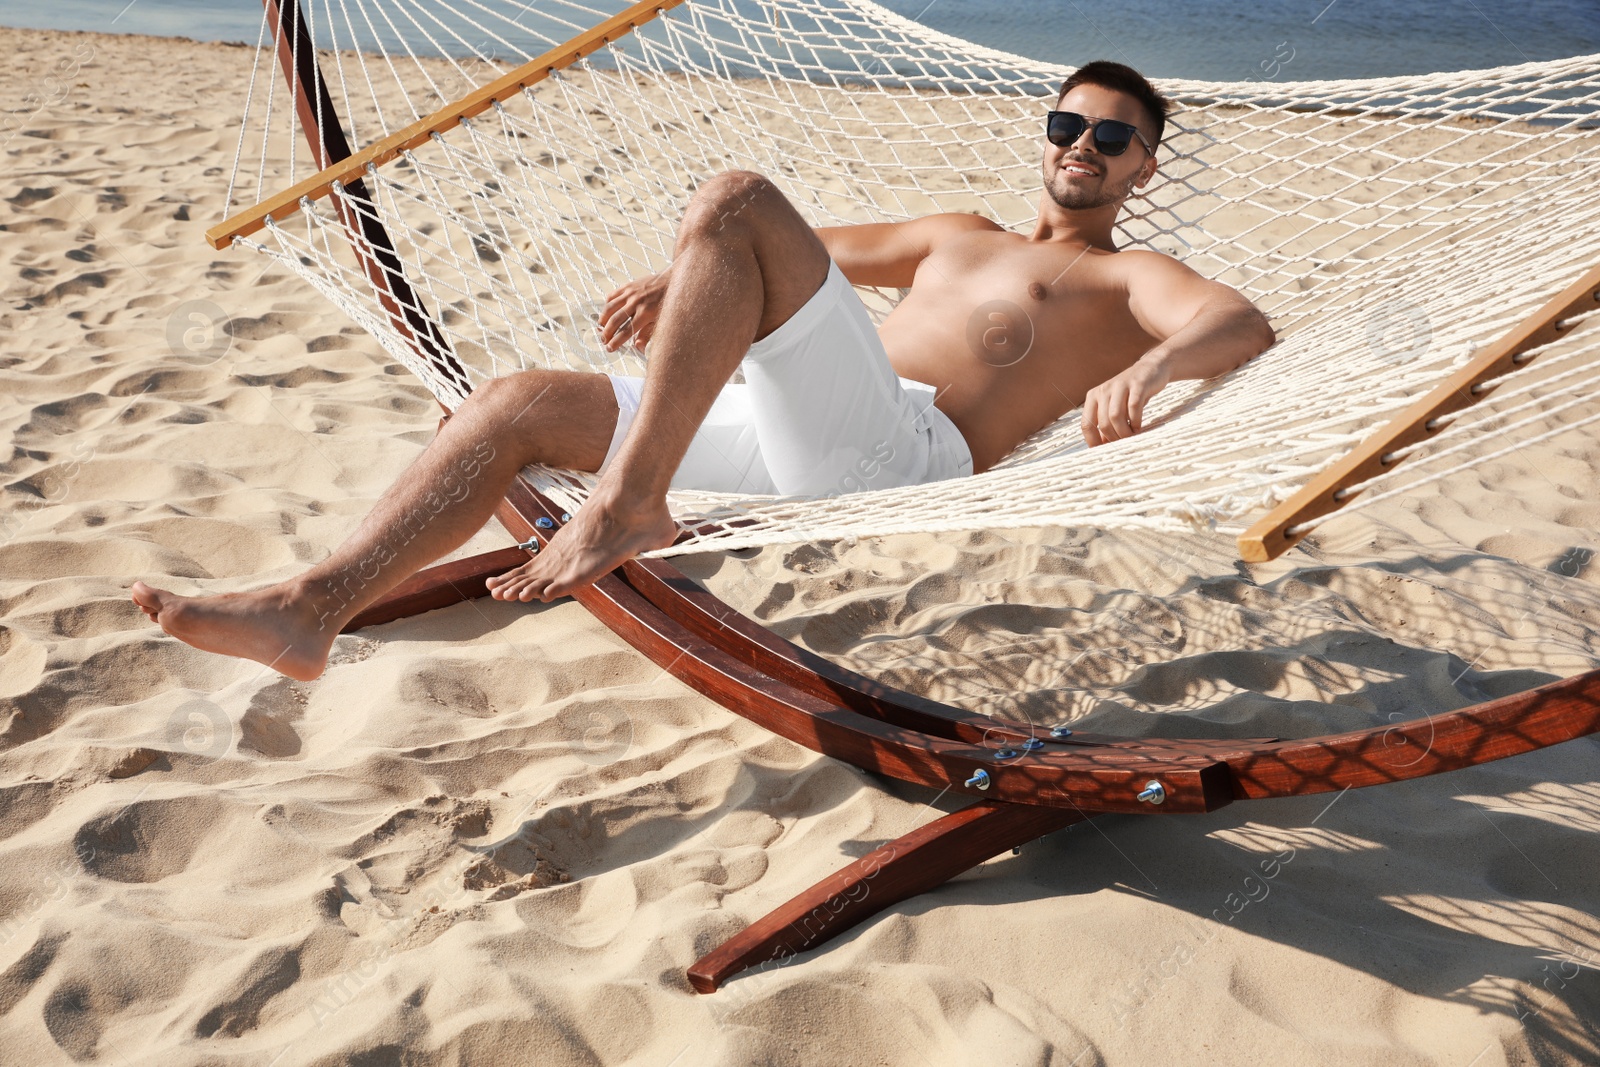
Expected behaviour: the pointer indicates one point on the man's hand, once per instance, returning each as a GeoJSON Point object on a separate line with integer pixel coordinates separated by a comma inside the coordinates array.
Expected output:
{"type": "Point", "coordinates": [1114, 409]}
{"type": "Point", "coordinates": [630, 313]}
{"type": "Point", "coordinates": [1203, 329]}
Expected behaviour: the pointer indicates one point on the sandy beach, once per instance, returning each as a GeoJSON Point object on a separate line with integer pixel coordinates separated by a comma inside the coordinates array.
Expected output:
{"type": "Point", "coordinates": [495, 834]}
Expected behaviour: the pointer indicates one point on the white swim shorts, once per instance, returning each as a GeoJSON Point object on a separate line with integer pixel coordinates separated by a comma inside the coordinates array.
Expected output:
{"type": "Point", "coordinates": [821, 412]}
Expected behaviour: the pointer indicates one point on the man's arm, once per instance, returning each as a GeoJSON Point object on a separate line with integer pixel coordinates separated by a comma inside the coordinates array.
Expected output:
{"type": "Point", "coordinates": [887, 253]}
{"type": "Point", "coordinates": [1204, 329]}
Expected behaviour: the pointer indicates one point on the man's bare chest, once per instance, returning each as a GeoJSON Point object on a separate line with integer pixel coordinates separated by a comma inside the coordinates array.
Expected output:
{"type": "Point", "coordinates": [1036, 300]}
{"type": "Point", "coordinates": [1050, 282]}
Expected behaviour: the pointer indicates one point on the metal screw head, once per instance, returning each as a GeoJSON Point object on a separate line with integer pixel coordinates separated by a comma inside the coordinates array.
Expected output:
{"type": "Point", "coordinates": [545, 522]}
{"type": "Point", "coordinates": [566, 516]}
{"type": "Point", "coordinates": [1060, 732]}
{"type": "Point", "coordinates": [1153, 793]}
{"type": "Point", "coordinates": [1032, 744]}
{"type": "Point", "coordinates": [979, 779]}
{"type": "Point", "coordinates": [1005, 753]}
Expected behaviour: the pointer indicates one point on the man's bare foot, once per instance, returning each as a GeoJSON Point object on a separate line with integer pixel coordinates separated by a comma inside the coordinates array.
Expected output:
{"type": "Point", "coordinates": [270, 626]}
{"type": "Point", "coordinates": [601, 536]}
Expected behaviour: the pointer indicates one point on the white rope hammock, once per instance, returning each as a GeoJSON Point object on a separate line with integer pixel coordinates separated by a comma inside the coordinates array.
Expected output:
{"type": "Point", "coordinates": [1387, 227]}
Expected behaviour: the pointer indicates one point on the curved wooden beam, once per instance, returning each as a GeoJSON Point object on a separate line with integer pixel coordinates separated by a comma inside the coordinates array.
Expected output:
{"type": "Point", "coordinates": [439, 587]}
{"type": "Point", "coordinates": [832, 710]}
{"type": "Point", "coordinates": [925, 858]}
{"type": "Point", "coordinates": [1435, 743]}
{"type": "Point", "coordinates": [1098, 779]}
{"type": "Point", "coordinates": [1538, 718]}
{"type": "Point", "coordinates": [751, 643]}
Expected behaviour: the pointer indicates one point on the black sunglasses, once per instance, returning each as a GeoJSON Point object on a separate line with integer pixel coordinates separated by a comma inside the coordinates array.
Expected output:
{"type": "Point", "coordinates": [1111, 137]}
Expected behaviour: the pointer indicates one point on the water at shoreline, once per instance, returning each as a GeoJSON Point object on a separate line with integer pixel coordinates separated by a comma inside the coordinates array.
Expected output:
{"type": "Point", "coordinates": [1265, 39]}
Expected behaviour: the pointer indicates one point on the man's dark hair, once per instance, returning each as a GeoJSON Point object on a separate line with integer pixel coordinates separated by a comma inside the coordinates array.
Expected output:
{"type": "Point", "coordinates": [1123, 79]}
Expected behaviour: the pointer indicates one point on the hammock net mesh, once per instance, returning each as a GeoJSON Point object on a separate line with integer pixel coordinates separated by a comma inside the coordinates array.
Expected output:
{"type": "Point", "coordinates": [1388, 227]}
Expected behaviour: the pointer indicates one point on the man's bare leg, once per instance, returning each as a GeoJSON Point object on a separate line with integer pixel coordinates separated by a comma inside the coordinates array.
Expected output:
{"type": "Point", "coordinates": [561, 418]}
{"type": "Point", "coordinates": [744, 262]}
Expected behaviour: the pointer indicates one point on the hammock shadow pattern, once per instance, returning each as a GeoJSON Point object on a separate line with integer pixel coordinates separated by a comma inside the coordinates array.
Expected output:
{"type": "Point", "coordinates": [1026, 782]}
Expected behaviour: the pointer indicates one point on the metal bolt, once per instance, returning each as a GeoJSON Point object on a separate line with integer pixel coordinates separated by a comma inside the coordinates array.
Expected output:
{"type": "Point", "coordinates": [1032, 744]}
{"type": "Point", "coordinates": [530, 545]}
{"type": "Point", "coordinates": [979, 779]}
{"type": "Point", "coordinates": [1016, 850]}
{"type": "Point", "coordinates": [1060, 732]}
{"type": "Point", "coordinates": [1005, 753]}
{"type": "Point", "coordinates": [545, 522]}
{"type": "Point", "coordinates": [1154, 793]}
{"type": "Point", "coordinates": [566, 516]}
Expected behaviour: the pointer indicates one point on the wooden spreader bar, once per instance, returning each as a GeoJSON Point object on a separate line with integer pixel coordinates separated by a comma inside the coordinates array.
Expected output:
{"type": "Point", "coordinates": [352, 166]}
{"type": "Point", "coordinates": [1328, 491]}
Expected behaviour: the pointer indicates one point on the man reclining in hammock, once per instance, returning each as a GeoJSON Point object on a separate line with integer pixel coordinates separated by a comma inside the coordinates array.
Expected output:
{"type": "Point", "coordinates": [999, 335]}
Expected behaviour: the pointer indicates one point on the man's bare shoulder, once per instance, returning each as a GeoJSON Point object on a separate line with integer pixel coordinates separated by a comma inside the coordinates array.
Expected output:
{"type": "Point", "coordinates": [887, 253]}
{"type": "Point", "coordinates": [934, 229]}
{"type": "Point", "coordinates": [1148, 262]}
{"type": "Point", "coordinates": [962, 220]}
{"type": "Point", "coordinates": [1150, 269]}
{"type": "Point", "coordinates": [1155, 273]}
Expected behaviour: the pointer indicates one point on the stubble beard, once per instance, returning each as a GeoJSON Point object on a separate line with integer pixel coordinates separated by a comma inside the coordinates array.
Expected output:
{"type": "Point", "coordinates": [1077, 199]}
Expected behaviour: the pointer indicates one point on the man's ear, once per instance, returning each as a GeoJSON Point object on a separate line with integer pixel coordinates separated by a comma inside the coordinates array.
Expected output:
{"type": "Point", "coordinates": [1147, 170]}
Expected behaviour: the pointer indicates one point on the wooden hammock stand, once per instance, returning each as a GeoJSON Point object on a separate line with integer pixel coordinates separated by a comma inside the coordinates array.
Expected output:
{"type": "Point", "coordinates": [1024, 783]}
